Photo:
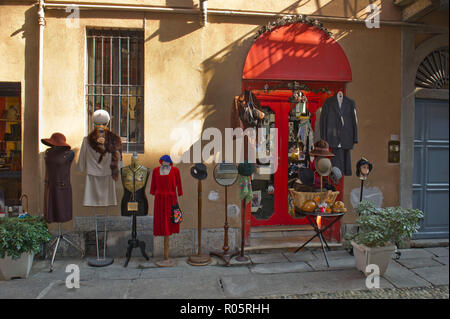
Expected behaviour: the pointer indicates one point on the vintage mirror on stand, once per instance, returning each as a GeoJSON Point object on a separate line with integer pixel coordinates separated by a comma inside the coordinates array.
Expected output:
{"type": "Point", "coordinates": [225, 174]}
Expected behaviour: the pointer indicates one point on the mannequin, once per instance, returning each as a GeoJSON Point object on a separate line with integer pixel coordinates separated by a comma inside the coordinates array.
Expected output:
{"type": "Point", "coordinates": [134, 202]}
{"type": "Point", "coordinates": [338, 127]}
{"type": "Point", "coordinates": [58, 190]}
{"type": "Point", "coordinates": [100, 157]}
{"type": "Point", "coordinates": [165, 186]}
{"type": "Point", "coordinates": [134, 180]}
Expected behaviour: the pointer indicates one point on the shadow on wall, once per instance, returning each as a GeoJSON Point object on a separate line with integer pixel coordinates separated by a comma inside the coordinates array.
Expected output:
{"type": "Point", "coordinates": [167, 31]}
{"type": "Point", "coordinates": [30, 145]}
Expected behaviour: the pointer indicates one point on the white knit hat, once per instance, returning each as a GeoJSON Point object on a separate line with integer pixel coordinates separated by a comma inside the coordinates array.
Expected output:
{"type": "Point", "coordinates": [101, 117]}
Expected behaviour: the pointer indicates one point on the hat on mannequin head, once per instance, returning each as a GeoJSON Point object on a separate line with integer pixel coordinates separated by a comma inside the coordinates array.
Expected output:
{"type": "Point", "coordinates": [101, 117]}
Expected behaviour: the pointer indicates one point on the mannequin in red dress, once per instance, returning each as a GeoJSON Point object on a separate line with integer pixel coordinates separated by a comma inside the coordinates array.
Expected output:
{"type": "Point", "coordinates": [165, 185]}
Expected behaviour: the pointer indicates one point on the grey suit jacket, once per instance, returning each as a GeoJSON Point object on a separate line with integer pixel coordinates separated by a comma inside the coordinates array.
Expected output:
{"type": "Point", "coordinates": [335, 131]}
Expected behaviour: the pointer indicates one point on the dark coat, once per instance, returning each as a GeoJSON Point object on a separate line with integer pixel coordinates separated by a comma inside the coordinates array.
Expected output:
{"type": "Point", "coordinates": [331, 128]}
{"type": "Point", "coordinates": [58, 190]}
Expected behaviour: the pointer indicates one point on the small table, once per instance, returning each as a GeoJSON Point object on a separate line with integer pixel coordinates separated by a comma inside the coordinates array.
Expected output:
{"type": "Point", "coordinates": [312, 219]}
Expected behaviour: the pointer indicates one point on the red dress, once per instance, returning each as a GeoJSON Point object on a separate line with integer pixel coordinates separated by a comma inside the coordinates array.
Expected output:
{"type": "Point", "coordinates": [164, 188]}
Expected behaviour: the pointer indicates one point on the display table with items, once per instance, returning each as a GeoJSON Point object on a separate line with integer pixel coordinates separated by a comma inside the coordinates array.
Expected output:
{"type": "Point", "coordinates": [314, 219]}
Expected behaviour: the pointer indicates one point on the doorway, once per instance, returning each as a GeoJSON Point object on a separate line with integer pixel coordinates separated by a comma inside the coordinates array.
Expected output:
{"type": "Point", "coordinates": [431, 170]}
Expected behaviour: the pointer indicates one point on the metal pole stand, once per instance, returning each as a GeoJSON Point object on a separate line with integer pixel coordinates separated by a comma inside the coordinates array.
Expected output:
{"type": "Point", "coordinates": [105, 261]}
{"type": "Point", "coordinates": [134, 243]}
{"type": "Point", "coordinates": [199, 259]}
{"type": "Point", "coordinates": [241, 257]}
{"type": "Point", "coordinates": [56, 243]}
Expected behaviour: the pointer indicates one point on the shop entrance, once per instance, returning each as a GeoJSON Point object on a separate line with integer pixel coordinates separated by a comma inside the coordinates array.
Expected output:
{"type": "Point", "coordinates": [10, 148]}
{"type": "Point", "coordinates": [301, 53]}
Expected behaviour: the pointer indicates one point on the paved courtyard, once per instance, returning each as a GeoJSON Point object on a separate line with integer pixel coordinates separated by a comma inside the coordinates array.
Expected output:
{"type": "Point", "coordinates": [419, 273]}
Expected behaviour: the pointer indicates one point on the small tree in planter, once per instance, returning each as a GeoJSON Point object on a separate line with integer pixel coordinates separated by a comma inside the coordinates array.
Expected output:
{"type": "Point", "coordinates": [20, 239]}
{"type": "Point", "coordinates": [380, 229]}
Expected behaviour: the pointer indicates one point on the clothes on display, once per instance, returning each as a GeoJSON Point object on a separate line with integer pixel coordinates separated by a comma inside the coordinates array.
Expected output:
{"type": "Point", "coordinates": [338, 126]}
{"type": "Point", "coordinates": [134, 181]}
{"type": "Point", "coordinates": [58, 190]}
{"type": "Point", "coordinates": [305, 134]}
{"type": "Point", "coordinates": [101, 162]}
{"type": "Point", "coordinates": [165, 189]}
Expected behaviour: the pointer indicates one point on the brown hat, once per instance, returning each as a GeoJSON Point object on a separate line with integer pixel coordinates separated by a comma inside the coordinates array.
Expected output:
{"type": "Point", "coordinates": [321, 149]}
{"type": "Point", "coordinates": [57, 139]}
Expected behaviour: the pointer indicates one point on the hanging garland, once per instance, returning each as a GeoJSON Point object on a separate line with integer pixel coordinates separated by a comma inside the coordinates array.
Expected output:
{"type": "Point", "coordinates": [290, 19]}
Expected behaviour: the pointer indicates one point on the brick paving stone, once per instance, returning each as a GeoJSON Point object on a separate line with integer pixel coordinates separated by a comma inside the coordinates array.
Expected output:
{"type": "Point", "coordinates": [402, 277]}
{"type": "Point", "coordinates": [440, 292]}
{"type": "Point", "coordinates": [275, 268]}
{"type": "Point", "coordinates": [436, 275]}
{"type": "Point", "coordinates": [305, 255]}
{"type": "Point", "coordinates": [332, 254]}
{"type": "Point", "coordinates": [442, 260]}
{"type": "Point", "coordinates": [415, 253]}
{"type": "Point", "coordinates": [413, 263]}
{"type": "Point", "coordinates": [267, 258]}
{"type": "Point", "coordinates": [439, 251]}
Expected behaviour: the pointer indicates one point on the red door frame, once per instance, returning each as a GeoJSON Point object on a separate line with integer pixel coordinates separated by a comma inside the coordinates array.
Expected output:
{"type": "Point", "coordinates": [281, 107]}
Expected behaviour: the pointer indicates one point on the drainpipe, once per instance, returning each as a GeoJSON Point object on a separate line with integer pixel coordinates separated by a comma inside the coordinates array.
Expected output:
{"type": "Point", "coordinates": [204, 12]}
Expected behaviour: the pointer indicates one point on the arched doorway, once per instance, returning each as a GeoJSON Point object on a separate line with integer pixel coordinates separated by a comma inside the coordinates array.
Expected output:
{"type": "Point", "coordinates": [302, 53]}
{"type": "Point", "coordinates": [431, 145]}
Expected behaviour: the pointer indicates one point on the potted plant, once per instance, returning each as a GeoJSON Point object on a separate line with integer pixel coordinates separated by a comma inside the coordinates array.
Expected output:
{"type": "Point", "coordinates": [20, 239]}
{"type": "Point", "coordinates": [380, 231]}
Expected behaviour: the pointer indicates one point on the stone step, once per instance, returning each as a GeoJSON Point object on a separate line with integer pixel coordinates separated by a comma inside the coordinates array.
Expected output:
{"type": "Point", "coordinates": [284, 243]}
{"type": "Point", "coordinates": [281, 231]}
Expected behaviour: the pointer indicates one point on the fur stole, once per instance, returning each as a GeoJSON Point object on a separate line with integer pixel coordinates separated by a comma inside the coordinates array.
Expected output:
{"type": "Point", "coordinates": [113, 145]}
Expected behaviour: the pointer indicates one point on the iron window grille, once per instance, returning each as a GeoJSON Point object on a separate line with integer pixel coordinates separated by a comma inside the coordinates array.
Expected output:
{"type": "Point", "coordinates": [115, 83]}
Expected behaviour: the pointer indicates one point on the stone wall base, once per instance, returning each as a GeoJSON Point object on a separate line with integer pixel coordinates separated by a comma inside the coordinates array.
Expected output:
{"type": "Point", "coordinates": [118, 228]}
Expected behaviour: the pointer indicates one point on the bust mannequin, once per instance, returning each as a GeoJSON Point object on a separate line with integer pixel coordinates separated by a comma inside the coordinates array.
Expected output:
{"type": "Point", "coordinates": [134, 179]}
{"type": "Point", "coordinates": [340, 98]}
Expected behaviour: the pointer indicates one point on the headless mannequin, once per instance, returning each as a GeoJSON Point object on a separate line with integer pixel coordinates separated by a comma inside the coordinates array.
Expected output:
{"type": "Point", "coordinates": [165, 170]}
{"type": "Point", "coordinates": [134, 179]}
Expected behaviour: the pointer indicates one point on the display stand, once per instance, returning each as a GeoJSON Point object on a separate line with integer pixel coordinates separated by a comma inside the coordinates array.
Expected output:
{"type": "Point", "coordinates": [241, 256]}
{"type": "Point", "coordinates": [199, 259]}
{"type": "Point", "coordinates": [134, 243]}
{"type": "Point", "coordinates": [166, 262]}
{"type": "Point", "coordinates": [105, 261]}
{"type": "Point", "coordinates": [57, 241]}
{"type": "Point", "coordinates": [225, 255]}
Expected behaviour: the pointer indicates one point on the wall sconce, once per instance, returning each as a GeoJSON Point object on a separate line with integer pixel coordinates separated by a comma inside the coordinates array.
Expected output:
{"type": "Point", "coordinates": [394, 149]}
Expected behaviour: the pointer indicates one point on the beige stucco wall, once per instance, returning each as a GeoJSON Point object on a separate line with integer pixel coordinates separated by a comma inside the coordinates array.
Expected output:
{"type": "Point", "coordinates": [192, 74]}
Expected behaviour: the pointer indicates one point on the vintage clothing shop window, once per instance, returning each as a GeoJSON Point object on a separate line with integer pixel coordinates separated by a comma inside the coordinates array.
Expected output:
{"type": "Point", "coordinates": [115, 82]}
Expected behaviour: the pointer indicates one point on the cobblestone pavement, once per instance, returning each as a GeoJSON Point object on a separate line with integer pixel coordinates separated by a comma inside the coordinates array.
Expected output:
{"type": "Point", "coordinates": [439, 292]}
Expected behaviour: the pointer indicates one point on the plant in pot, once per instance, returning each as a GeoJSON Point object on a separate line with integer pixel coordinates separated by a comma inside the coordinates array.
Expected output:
{"type": "Point", "coordinates": [380, 231]}
{"type": "Point", "coordinates": [20, 239]}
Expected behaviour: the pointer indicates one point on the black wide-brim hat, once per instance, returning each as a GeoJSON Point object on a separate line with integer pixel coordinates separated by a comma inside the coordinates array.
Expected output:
{"type": "Point", "coordinates": [199, 171]}
{"type": "Point", "coordinates": [246, 168]}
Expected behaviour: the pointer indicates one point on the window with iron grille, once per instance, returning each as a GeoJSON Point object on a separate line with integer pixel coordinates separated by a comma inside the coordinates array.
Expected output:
{"type": "Point", "coordinates": [115, 82]}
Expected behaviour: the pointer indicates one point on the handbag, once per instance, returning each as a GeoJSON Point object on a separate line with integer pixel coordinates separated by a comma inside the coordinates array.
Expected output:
{"type": "Point", "coordinates": [176, 214]}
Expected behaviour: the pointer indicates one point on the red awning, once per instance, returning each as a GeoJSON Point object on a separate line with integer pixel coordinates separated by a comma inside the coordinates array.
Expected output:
{"type": "Point", "coordinates": [297, 52]}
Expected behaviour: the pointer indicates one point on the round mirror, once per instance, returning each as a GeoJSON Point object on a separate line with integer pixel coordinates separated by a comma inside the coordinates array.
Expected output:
{"type": "Point", "coordinates": [225, 174]}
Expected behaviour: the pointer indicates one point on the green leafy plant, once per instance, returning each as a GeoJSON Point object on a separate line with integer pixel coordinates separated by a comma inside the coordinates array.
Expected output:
{"type": "Point", "coordinates": [22, 235]}
{"type": "Point", "coordinates": [380, 226]}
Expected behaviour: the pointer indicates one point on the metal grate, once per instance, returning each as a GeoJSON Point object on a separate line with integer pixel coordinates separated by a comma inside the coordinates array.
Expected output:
{"type": "Point", "coordinates": [433, 70]}
{"type": "Point", "coordinates": [115, 82]}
